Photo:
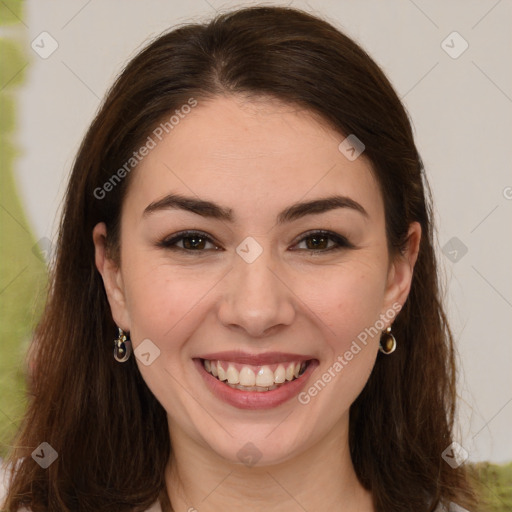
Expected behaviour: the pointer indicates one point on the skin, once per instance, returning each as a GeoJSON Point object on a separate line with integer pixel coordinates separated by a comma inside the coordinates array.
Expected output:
{"type": "Point", "coordinates": [256, 157]}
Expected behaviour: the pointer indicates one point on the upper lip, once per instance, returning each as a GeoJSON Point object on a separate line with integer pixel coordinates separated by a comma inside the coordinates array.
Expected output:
{"type": "Point", "coordinates": [236, 356]}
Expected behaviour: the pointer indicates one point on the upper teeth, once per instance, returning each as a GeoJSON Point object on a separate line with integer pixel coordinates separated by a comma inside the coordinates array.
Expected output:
{"type": "Point", "coordinates": [262, 376]}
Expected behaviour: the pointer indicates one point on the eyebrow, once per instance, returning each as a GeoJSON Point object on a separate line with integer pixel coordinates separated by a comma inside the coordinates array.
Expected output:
{"type": "Point", "coordinates": [212, 210]}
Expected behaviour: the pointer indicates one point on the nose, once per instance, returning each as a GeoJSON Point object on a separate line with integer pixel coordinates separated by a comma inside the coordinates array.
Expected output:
{"type": "Point", "coordinates": [256, 297]}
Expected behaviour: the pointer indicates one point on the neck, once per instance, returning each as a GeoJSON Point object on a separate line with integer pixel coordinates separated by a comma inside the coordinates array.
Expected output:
{"type": "Point", "coordinates": [321, 478]}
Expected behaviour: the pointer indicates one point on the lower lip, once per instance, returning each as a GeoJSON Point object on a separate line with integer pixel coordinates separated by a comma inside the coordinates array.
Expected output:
{"type": "Point", "coordinates": [255, 399]}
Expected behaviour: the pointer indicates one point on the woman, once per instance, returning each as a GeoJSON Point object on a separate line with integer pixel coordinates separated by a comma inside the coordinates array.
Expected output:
{"type": "Point", "coordinates": [247, 218]}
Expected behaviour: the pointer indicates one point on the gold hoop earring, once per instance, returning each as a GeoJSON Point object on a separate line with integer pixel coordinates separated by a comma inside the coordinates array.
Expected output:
{"type": "Point", "coordinates": [387, 343]}
{"type": "Point", "coordinates": [122, 347]}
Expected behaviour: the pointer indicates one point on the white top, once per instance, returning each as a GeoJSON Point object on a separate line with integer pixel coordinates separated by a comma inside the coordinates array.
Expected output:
{"type": "Point", "coordinates": [156, 506]}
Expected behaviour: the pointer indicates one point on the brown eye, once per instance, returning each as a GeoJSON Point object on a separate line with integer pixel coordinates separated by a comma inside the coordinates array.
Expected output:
{"type": "Point", "coordinates": [323, 241]}
{"type": "Point", "coordinates": [192, 241]}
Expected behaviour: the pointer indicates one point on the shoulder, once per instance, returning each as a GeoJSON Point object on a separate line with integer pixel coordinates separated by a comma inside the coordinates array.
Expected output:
{"type": "Point", "coordinates": [5, 474]}
{"type": "Point", "coordinates": [4, 477]}
{"type": "Point", "coordinates": [453, 507]}
{"type": "Point", "coordinates": [155, 507]}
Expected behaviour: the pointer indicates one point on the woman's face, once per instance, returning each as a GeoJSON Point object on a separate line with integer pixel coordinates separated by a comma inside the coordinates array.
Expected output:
{"type": "Point", "coordinates": [258, 292]}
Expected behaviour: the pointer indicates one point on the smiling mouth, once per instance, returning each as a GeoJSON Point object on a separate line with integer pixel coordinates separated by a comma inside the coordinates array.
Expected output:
{"type": "Point", "coordinates": [255, 378]}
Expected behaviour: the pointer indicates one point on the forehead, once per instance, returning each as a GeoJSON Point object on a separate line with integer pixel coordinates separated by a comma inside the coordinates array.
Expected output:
{"type": "Point", "coordinates": [252, 153]}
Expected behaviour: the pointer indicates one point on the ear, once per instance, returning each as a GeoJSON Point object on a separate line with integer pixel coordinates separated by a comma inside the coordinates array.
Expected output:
{"type": "Point", "coordinates": [401, 269]}
{"type": "Point", "coordinates": [112, 277]}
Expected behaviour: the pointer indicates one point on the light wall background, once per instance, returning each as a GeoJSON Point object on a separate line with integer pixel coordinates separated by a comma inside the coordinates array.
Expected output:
{"type": "Point", "coordinates": [461, 110]}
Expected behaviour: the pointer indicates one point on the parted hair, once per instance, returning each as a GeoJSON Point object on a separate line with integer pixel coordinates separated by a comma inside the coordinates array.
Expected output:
{"type": "Point", "coordinates": [110, 432]}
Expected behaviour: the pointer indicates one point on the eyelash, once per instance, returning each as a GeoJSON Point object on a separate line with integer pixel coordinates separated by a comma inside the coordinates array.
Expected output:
{"type": "Point", "coordinates": [340, 241]}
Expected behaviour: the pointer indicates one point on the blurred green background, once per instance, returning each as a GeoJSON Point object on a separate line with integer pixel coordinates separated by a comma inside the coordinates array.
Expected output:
{"type": "Point", "coordinates": [23, 271]}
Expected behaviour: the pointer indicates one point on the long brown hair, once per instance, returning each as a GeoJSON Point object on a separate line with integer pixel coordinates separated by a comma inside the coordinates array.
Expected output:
{"type": "Point", "coordinates": [109, 430]}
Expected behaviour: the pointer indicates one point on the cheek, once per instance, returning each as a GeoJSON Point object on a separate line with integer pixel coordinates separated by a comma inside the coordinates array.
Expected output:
{"type": "Point", "coordinates": [347, 299]}
{"type": "Point", "coordinates": [162, 299]}
{"type": "Point", "coordinates": [348, 306]}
